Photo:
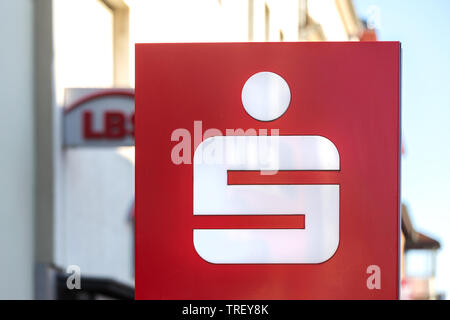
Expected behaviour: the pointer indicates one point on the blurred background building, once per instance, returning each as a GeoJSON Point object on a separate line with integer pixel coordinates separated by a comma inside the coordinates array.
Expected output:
{"type": "Point", "coordinates": [419, 253]}
{"type": "Point", "coordinates": [62, 206]}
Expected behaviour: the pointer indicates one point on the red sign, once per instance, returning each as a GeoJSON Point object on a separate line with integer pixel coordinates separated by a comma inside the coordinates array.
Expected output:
{"type": "Point", "coordinates": [99, 117]}
{"type": "Point", "coordinates": [267, 171]}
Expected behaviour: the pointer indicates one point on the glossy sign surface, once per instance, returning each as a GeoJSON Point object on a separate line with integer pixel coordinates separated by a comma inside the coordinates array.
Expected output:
{"type": "Point", "coordinates": [346, 93]}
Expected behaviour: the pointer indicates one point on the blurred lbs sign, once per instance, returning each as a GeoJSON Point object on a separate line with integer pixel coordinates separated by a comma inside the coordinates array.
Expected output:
{"type": "Point", "coordinates": [99, 117]}
{"type": "Point", "coordinates": [267, 171]}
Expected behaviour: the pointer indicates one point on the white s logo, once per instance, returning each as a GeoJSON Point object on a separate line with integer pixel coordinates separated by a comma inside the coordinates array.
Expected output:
{"type": "Point", "coordinates": [317, 242]}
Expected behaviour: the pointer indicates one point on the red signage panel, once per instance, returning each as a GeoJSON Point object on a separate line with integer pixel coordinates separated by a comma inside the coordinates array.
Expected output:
{"type": "Point", "coordinates": [267, 171]}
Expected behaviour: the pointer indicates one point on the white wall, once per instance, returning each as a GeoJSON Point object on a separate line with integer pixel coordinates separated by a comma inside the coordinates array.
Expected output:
{"type": "Point", "coordinates": [83, 45]}
{"type": "Point", "coordinates": [16, 149]}
{"type": "Point", "coordinates": [326, 13]}
{"type": "Point", "coordinates": [94, 186]}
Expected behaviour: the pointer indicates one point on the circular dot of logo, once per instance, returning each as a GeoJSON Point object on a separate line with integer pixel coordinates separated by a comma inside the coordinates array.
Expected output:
{"type": "Point", "coordinates": [266, 96]}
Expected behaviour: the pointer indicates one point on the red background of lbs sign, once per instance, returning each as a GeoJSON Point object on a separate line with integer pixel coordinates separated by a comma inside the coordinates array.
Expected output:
{"type": "Point", "coordinates": [346, 92]}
